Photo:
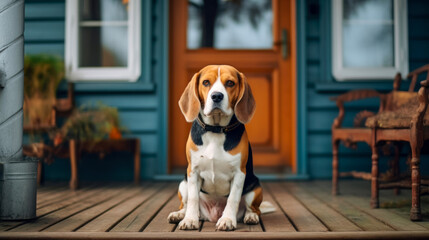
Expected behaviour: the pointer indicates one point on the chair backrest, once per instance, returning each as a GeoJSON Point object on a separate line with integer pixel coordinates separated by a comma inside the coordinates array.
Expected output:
{"type": "Point", "coordinates": [415, 74]}
{"type": "Point", "coordinates": [397, 98]}
{"type": "Point", "coordinates": [59, 106]}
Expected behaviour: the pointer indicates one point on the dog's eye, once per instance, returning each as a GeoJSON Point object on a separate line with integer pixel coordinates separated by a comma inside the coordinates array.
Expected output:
{"type": "Point", "coordinates": [206, 83]}
{"type": "Point", "coordinates": [230, 83]}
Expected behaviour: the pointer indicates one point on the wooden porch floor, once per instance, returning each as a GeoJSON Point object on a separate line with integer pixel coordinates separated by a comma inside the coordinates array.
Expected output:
{"type": "Point", "coordinates": [305, 210]}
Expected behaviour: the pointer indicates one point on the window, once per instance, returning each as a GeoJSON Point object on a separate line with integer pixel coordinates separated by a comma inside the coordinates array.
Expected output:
{"type": "Point", "coordinates": [369, 39]}
{"type": "Point", "coordinates": [230, 24]}
{"type": "Point", "coordinates": [103, 40]}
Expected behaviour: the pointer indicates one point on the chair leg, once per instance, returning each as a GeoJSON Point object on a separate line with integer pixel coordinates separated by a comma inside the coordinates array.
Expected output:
{"type": "Point", "coordinates": [40, 173]}
{"type": "Point", "coordinates": [374, 173]}
{"type": "Point", "coordinates": [415, 212]}
{"type": "Point", "coordinates": [74, 182]}
{"type": "Point", "coordinates": [335, 145]}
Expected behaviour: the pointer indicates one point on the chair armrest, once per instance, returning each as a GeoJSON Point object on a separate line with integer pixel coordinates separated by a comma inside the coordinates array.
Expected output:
{"type": "Point", "coordinates": [423, 95]}
{"type": "Point", "coordinates": [353, 96]}
{"type": "Point", "coordinates": [417, 119]}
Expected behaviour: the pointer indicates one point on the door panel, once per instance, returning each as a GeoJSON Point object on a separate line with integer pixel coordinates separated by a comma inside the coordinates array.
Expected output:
{"type": "Point", "coordinates": [263, 84]}
{"type": "Point", "coordinates": [271, 77]}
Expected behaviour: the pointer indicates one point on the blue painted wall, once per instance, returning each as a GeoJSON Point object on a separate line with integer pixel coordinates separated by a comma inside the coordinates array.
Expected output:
{"type": "Point", "coordinates": [320, 86]}
{"type": "Point", "coordinates": [142, 105]}
{"type": "Point", "coordinates": [139, 104]}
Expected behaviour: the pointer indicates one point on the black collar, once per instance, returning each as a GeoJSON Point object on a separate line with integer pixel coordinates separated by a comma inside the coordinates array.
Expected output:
{"type": "Point", "coordinates": [233, 124]}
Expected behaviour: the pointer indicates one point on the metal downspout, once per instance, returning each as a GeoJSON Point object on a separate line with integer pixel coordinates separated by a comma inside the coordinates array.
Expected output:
{"type": "Point", "coordinates": [17, 175]}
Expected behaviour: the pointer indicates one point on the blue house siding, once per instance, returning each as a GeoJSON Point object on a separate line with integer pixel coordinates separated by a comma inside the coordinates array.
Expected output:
{"type": "Point", "coordinates": [139, 104]}
{"type": "Point", "coordinates": [143, 105]}
{"type": "Point", "coordinates": [320, 86]}
{"type": "Point", "coordinates": [418, 31]}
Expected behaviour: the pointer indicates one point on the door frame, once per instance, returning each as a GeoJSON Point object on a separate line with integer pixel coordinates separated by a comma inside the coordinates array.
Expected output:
{"type": "Point", "coordinates": [299, 155]}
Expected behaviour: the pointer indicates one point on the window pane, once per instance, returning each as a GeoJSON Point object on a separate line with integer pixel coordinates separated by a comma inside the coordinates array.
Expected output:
{"type": "Point", "coordinates": [103, 10]}
{"type": "Point", "coordinates": [368, 33]}
{"type": "Point", "coordinates": [105, 46]}
{"type": "Point", "coordinates": [230, 24]}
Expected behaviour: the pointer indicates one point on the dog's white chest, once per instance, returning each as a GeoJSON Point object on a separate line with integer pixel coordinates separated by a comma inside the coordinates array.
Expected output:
{"type": "Point", "coordinates": [214, 165]}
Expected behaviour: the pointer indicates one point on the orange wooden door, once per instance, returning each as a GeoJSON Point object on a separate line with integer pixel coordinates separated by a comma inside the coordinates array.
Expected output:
{"type": "Point", "coordinates": [270, 74]}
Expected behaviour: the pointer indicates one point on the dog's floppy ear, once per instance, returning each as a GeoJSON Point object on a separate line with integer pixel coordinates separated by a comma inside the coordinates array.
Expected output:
{"type": "Point", "coordinates": [189, 103]}
{"type": "Point", "coordinates": [245, 106]}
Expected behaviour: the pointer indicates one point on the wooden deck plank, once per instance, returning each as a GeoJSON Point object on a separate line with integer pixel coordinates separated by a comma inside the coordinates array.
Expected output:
{"type": "Point", "coordinates": [83, 216]}
{"type": "Point", "coordinates": [77, 196]}
{"type": "Point", "coordinates": [159, 223]}
{"type": "Point", "coordinates": [405, 213]}
{"type": "Point", "coordinates": [48, 197]}
{"type": "Point", "coordinates": [61, 195]}
{"type": "Point", "coordinates": [275, 221]}
{"type": "Point", "coordinates": [101, 209]}
{"type": "Point", "coordinates": [241, 227]}
{"type": "Point", "coordinates": [208, 226]}
{"type": "Point", "coordinates": [57, 216]}
{"type": "Point", "coordinates": [331, 218]}
{"type": "Point", "coordinates": [52, 189]}
{"type": "Point", "coordinates": [390, 218]}
{"type": "Point", "coordinates": [108, 219]}
{"type": "Point", "coordinates": [219, 235]}
{"type": "Point", "coordinates": [364, 221]}
{"type": "Point", "coordinates": [6, 225]}
{"type": "Point", "coordinates": [302, 219]}
{"type": "Point", "coordinates": [43, 193]}
{"type": "Point", "coordinates": [362, 189]}
{"type": "Point", "coordinates": [139, 218]}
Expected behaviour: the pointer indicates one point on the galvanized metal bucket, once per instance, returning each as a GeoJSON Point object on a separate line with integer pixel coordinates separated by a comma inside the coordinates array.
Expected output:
{"type": "Point", "coordinates": [18, 187]}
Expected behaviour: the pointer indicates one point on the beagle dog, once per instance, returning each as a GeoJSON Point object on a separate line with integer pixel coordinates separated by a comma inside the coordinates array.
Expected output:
{"type": "Point", "coordinates": [220, 185]}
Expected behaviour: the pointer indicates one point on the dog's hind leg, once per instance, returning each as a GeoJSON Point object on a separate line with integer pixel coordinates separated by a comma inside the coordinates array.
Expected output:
{"type": "Point", "coordinates": [253, 200]}
{"type": "Point", "coordinates": [176, 217]}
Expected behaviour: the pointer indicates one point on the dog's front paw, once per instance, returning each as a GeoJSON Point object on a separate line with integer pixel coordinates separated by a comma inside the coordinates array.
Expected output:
{"type": "Point", "coordinates": [176, 217]}
{"type": "Point", "coordinates": [226, 224]}
{"type": "Point", "coordinates": [251, 218]}
{"type": "Point", "coordinates": [189, 224]}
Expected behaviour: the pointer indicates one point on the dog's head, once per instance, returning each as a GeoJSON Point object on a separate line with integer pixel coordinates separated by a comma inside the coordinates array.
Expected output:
{"type": "Point", "coordinates": [218, 89]}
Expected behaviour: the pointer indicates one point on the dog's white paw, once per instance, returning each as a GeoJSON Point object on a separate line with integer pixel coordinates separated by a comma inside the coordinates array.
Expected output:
{"type": "Point", "coordinates": [176, 217]}
{"type": "Point", "coordinates": [189, 224]}
{"type": "Point", "coordinates": [226, 224]}
{"type": "Point", "coordinates": [251, 218]}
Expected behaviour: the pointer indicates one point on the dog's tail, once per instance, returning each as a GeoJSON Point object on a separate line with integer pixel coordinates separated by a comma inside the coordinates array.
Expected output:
{"type": "Point", "coordinates": [266, 207]}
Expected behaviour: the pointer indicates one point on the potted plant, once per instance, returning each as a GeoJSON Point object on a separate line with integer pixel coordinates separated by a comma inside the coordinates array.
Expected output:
{"type": "Point", "coordinates": [92, 123]}
{"type": "Point", "coordinates": [42, 75]}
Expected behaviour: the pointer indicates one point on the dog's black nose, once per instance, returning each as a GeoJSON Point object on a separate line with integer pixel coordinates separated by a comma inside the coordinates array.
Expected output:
{"type": "Point", "coordinates": [217, 97]}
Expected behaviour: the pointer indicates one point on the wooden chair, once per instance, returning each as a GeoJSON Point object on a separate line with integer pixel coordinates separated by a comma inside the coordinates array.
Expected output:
{"type": "Point", "coordinates": [350, 136]}
{"type": "Point", "coordinates": [62, 107]}
{"type": "Point", "coordinates": [73, 149]}
{"type": "Point", "coordinates": [404, 119]}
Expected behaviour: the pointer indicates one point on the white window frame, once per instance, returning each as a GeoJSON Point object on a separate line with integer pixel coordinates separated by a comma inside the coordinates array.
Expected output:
{"type": "Point", "coordinates": [129, 73]}
{"type": "Point", "coordinates": [342, 73]}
